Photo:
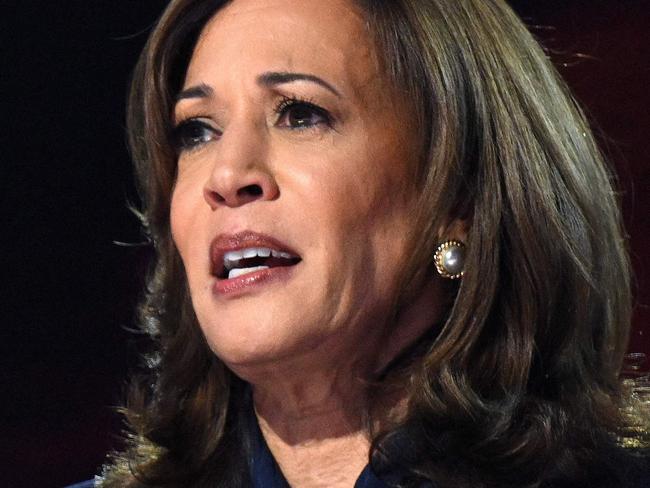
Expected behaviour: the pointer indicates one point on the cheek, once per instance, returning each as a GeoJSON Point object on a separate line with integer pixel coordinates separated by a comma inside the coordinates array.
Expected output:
{"type": "Point", "coordinates": [187, 196]}
{"type": "Point", "coordinates": [362, 189]}
{"type": "Point", "coordinates": [184, 212]}
{"type": "Point", "coordinates": [178, 220]}
{"type": "Point", "coordinates": [360, 203]}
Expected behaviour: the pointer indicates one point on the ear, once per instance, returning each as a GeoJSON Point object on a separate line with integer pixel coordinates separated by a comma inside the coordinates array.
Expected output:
{"type": "Point", "coordinates": [457, 229]}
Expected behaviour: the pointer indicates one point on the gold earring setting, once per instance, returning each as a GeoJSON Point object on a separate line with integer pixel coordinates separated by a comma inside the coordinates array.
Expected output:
{"type": "Point", "coordinates": [449, 259]}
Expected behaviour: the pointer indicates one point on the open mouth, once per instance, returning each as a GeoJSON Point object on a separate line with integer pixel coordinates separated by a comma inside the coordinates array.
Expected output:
{"type": "Point", "coordinates": [248, 252]}
{"type": "Point", "coordinates": [249, 260]}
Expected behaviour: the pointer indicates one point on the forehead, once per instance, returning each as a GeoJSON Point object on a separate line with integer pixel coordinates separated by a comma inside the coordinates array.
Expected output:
{"type": "Point", "coordinates": [320, 37]}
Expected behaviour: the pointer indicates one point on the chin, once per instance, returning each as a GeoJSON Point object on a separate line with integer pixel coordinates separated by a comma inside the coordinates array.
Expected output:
{"type": "Point", "coordinates": [247, 334]}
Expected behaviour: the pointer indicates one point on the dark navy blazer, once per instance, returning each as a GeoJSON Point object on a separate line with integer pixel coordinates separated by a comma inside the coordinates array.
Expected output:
{"type": "Point", "coordinates": [265, 472]}
{"type": "Point", "coordinates": [83, 484]}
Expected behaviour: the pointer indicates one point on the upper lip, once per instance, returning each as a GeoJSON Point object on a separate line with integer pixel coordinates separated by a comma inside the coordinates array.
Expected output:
{"type": "Point", "coordinates": [224, 243]}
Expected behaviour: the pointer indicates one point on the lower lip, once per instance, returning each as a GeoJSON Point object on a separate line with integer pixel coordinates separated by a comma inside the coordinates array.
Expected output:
{"type": "Point", "coordinates": [252, 281]}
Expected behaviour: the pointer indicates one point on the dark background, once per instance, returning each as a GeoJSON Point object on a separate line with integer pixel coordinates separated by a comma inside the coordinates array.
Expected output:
{"type": "Point", "coordinates": [69, 292]}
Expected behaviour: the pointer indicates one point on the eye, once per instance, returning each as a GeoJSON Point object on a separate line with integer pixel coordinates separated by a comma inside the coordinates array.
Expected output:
{"type": "Point", "coordinates": [301, 114]}
{"type": "Point", "coordinates": [192, 133]}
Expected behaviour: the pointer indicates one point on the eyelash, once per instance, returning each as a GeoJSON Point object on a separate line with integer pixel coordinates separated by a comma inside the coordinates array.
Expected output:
{"type": "Point", "coordinates": [184, 140]}
{"type": "Point", "coordinates": [288, 103]}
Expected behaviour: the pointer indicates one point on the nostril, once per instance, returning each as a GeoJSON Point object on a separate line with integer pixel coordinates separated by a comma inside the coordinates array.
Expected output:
{"type": "Point", "coordinates": [236, 195]}
{"type": "Point", "coordinates": [250, 190]}
{"type": "Point", "coordinates": [216, 197]}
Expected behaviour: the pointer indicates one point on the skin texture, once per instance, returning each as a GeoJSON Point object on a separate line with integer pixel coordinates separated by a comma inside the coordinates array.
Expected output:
{"type": "Point", "coordinates": [339, 194]}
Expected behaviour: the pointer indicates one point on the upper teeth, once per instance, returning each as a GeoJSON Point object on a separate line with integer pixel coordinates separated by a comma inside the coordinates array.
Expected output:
{"type": "Point", "coordinates": [231, 258]}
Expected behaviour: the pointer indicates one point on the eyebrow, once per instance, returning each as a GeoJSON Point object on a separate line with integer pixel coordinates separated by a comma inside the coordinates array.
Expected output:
{"type": "Point", "coordinates": [273, 78]}
{"type": "Point", "coordinates": [198, 91]}
{"type": "Point", "coordinates": [268, 79]}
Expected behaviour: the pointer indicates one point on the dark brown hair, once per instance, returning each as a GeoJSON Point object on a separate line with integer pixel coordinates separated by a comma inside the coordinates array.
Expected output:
{"type": "Point", "coordinates": [521, 385]}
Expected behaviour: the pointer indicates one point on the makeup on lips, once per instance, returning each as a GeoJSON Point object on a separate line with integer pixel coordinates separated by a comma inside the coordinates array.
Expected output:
{"type": "Point", "coordinates": [240, 261]}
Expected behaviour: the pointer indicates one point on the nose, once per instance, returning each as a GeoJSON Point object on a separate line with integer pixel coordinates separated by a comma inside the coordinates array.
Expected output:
{"type": "Point", "coordinates": [240, 173]}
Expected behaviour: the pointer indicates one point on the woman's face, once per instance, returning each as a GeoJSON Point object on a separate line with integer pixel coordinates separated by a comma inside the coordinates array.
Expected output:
{"type": "Point", "coordinates": [294, 196]}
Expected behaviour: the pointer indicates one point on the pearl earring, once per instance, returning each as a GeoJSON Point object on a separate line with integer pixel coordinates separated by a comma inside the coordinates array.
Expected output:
{"type": "Point", "coordinates": [450, 259]}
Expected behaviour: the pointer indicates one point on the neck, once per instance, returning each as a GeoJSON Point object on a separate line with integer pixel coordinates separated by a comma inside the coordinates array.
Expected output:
{"type": "Point", "coordinates": [316, 414]}
{"type": "Point", "coordinates": [318, 440]}
{"type": "Point", "coordinates": [319, 431]}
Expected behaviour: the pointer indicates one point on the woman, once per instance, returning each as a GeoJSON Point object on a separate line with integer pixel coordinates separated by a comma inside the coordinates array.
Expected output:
{"type": "Point", "coordinates": [386, 244]}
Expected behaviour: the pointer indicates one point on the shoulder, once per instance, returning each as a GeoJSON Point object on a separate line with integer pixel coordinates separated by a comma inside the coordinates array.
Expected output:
{"type": "Point", "coordinates": [632, 467]}
{"type": "Point", "coordinates": [621, 468]}
{"type": "Point", "coordinates": [638, 474]}
{"type": "Point", "coordinates": [83, 484]}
